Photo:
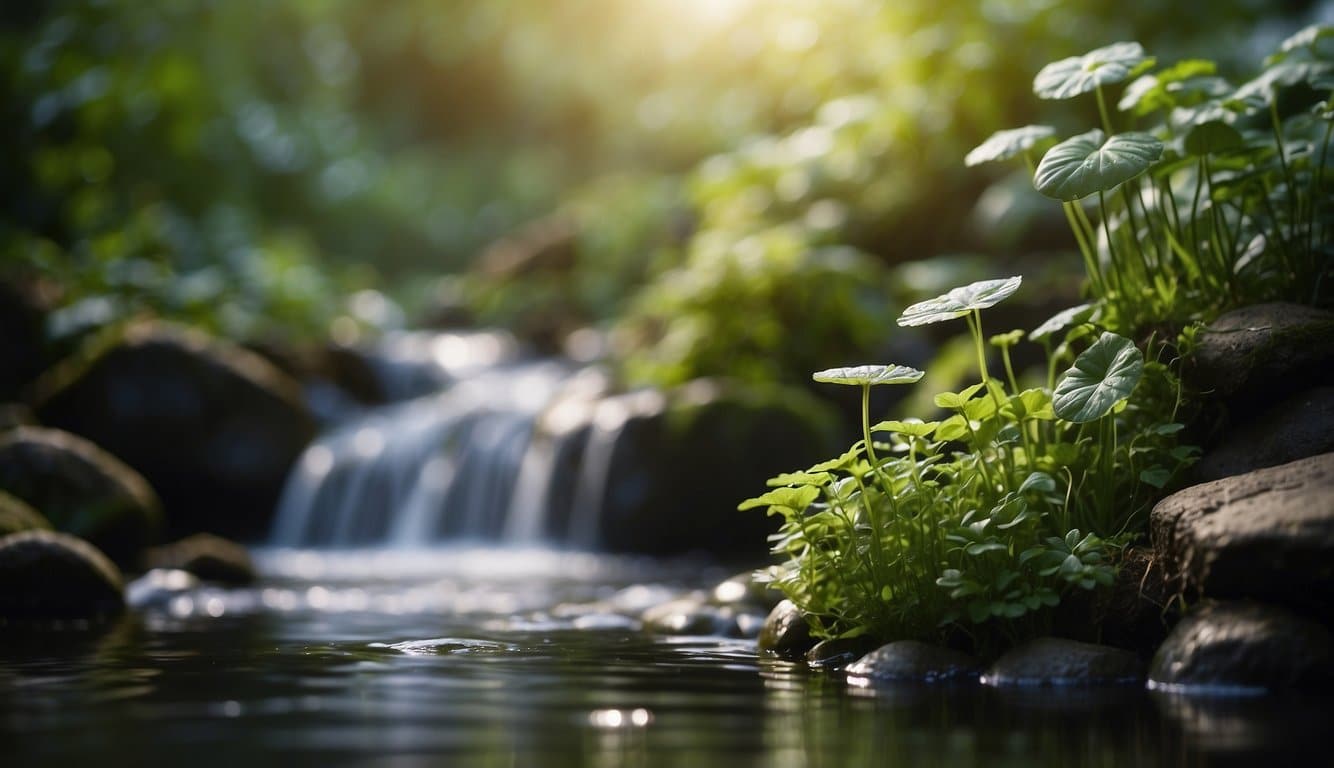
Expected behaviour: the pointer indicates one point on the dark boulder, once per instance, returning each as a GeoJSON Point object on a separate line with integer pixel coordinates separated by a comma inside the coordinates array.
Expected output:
{"type": "Point", "coordinates": [17, 516]}
{"type": "Point", "coordinates": [23, 309]}
{"type": "Point", "coordinates": [786, 633]}
{"type": "Point", "coordinates": [1268, 534]}
{"type": "Point", "coordinates": [16, 415]}
{"type": "Point", "coordinates": [81, 489]}
{"type": "Point", "coordinates": [914, 662]}
{"type": "Point", "coordinates": [47, 575]}
{"type": "Point", "coordinates": [1299, 426]}
{"type": "Point", "coordinates": [1263, 352]}
{"type": "Point", "coordinates": [1244, 646]}
{"type": "Point", "coordinates": [1052, 661]}
{"type": "Point", "coordinates": [213, 428]}
{"type": "Point", "coordinates": [838, 652]}
{"type": "Point", "coordinates": [208, 557]}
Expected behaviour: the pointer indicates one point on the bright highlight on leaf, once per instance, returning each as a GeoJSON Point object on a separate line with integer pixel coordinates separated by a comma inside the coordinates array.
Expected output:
{"type": "Point", "coordinates": [1003, 145]}
{"type": "Point", "coordinates": [869, 375]}
{"type": "Point", "coordinates": [1086, 164]}
{"type": "Point", "coordinates": [1071, 77]}
{"type": "Point", "coordinates": [959, 301]}
{"type": "Point", "coordinates": [1104, 375]}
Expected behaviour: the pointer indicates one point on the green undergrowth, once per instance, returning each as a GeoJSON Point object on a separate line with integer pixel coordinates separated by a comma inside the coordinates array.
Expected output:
{"type": "Point", "coordinates": [970, 528]}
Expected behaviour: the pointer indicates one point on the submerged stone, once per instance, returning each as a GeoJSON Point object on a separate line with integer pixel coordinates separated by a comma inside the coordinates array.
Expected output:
{"type": "Point", "coordinates": [1268, 535]}
{"type": "Point", "coordinates": [786, 633]}
{"type": "Point", "coordinates": [1244, 647]}
{"type": "Point", "coordinates": [81, 489]}
{"type": "Point", "coordinates": [1052, 661]}
{"type": "Point", "coordinates": [913, 661]}
{"type": "Point", "coordinates": [209, 557]}
{"type": "Point", "coordinates": [690, 616]}
{"type": "Point", "coordinates": [213, 427]}
{"type": "Point", "coordinates": [48, 575]}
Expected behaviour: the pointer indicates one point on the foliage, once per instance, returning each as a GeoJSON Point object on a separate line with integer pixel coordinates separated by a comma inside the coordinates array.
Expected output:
{"type": "Point", "coordinates": [980, 521]}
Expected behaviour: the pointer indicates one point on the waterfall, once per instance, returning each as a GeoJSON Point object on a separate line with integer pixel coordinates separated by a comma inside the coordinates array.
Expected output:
{"type": "Point", "coordinates": [486, 447]}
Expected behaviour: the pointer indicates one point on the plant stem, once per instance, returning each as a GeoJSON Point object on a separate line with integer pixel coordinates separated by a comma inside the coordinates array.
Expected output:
{"type": "Point", "coordinates": [1102, 110]}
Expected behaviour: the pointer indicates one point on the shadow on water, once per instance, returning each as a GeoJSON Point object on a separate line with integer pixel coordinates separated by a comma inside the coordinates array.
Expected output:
{"type": "Point", "coordinates": [345, 669]}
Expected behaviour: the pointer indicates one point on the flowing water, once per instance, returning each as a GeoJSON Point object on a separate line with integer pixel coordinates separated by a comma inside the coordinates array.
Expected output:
{"type": "Point", "coordinates": [485, 657]}
{"type": "Point", "coordinates": [409, 614]}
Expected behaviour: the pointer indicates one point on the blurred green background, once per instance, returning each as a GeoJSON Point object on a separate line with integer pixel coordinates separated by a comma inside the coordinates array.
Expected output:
{"type": "Point", "coordinates": [739, 187]}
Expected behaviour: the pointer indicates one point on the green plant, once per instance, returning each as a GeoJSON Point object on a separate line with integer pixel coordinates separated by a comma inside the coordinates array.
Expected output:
{"type": "Point", "coordinates": [978, 522]}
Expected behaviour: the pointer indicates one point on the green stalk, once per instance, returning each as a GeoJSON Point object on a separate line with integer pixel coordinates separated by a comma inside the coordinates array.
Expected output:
{"type": "Point", "coordinates": [1283, 163]}
{"type": "Point", "coordinates": [1085, 249]}
{"type": "Point", "coordinates": [1102, 111]}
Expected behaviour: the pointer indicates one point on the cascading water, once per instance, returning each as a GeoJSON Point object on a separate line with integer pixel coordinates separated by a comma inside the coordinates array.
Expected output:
{"type": "Point", "coordinates": [502, 450]}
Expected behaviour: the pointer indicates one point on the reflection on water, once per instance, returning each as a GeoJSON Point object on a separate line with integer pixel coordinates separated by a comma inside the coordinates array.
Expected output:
{"type": "Point", "coordinates": [484, 658]}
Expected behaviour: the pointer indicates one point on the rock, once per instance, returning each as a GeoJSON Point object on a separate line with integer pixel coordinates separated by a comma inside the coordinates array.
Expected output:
{"type": "Point", "coordinates": [742, 590]}
{"type": "Point", "coordinates": [158, 587]}
{"type": "Point", "coordinates": [690, 616]}
{"type": "Point", "coordinates": [1052, 661]}
{"type": "Point", "coordinates": [1264, 352]}
{"type": "Point", "coordinates": [1295, 428]}
{"type": "Point", "coordinates": [1268, 534]}
{"type": "Point", "coordinates": [1244, 646]}
{"type": "Point", "coordinates": [47, 575]}
{"type": "Point", "coordinates": [678, 463]}
{"type": "Point", "coordinates": [838, 652]}
{"type": "Point", "coordinates": [17, 516]}
{"type": "Point", "coordinates": [16, 415]}
{"type": "Point", "coordinates": [912, 661]}
{"type": "Point", "coordinates": [213, 428]}
{"type": "Point", "coordinates": [208, 557]}
{"type": "Point", "coordinates": [81, 489]}
{"type": "Point", "coordinates": [786, 633]}
{"type": "Point", "coordinates": [23, 311]}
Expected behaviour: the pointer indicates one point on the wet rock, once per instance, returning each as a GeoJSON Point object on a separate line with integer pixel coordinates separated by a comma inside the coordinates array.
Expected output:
{"type": "Point", "coordinates": [1295, 428]}
{"type": "Point", "coordinates": [158, 587]}
{"type": "Point", "coordinates": [786, 633]}
{"type": "Point", "coordinates": [47, 575]}
{"type": "Point", "coordinates": [1051, 661]}
{"type": "Point", "coordinates": [838, 652]}
{"type": "Point", "coordinates": [208, 557]}
{"type": "Point", "coordinates": [1268, 534]}
{"type": "Point", "coordinates": [214, 428]}
{"type": "Point", "coordinates": [1244, 646]}
{"type": "Point", "coordinates": [81, 489]}
{"type": "Point", "coordinates": [912, 661]}
{"type": "Point", "coordinates": [1264, 351]}
{"type": "Point", "coordinates": [744, 591]}
{"type": "Point", "coordinates": [16, 415]}
{"type": "Point", "coordinates": [16, 516]}
{"type": "Point", "coordinates": [678, 464]}
{"type": "Point", "coordinates": [690, 616]}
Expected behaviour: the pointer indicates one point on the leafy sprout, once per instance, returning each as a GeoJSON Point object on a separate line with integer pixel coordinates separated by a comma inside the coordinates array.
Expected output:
{"type": "Point", "coordinates": [1090, 163]}
{"type": "Point", "coordinates": [1076, 75]}
{"type": "Point", "coordinates": [1104, 375]}
{"type": "Point", "coordinates": [1007, 144]}
{"type": "Point", "coordinates": [959, 302]}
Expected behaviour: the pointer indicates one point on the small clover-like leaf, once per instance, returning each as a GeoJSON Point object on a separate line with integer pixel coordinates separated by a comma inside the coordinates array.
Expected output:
{"type": "Point", "coordinates": [1087, 164]}
{"type": "Point", "coordinates": [1062, 320]}
{"type": "Point", "coordinates": [959, 301]}
{"type": "Point", "coordinates": [910, 428]}
{"type": "Point", "coordinates": [790, 498]}
{"type": "Point", "coordinates": [1006, 340]}
{"type": "Point", "coordinates": [817, 479]}
{"type": "Point", "coordinates": [1003, 145]}
{"type": "Point", "coordinates": [869, 375]}
{"type": "Point", "coordinates": [1070, 77]}
{"type": "Point", "coordinates": [1104, 375]}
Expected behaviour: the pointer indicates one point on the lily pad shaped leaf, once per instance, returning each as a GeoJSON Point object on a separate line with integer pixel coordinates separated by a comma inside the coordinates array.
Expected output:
{"type": "Point", "coordinates": [1085, 164]}
{"type": "Point", "coordinates": [1104, 375]}
{"type": "Point", "coordinates": [959, 301]}
{"type": "Point", "coordinates": [1070, 77]}
{"type": "Point", "coordinates": [1062, 320]}
{"type": "Point", "coordinates": [869, 375]}
{"type": "Point", "coordinates": [1003, 145]}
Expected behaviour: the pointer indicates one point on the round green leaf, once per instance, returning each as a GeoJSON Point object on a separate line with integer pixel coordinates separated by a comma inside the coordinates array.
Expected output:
{"type": "Point", "coordinates": [1070, 77]}
{"type": "Point", "coordinates": [1212, 136]}
{"type": "Point", "coordinates": [869, 375]}
{"type": "Point", "coordinates": [959, 301]}
{"type": "Point", "coordinates": [1062, 320]}
{"type": "Point", "coordinates": [1003, 145]}
{"type": "Point", "coordinates": [1104, 375]}
{"type": "Point", "coordinates": [1085, 164]}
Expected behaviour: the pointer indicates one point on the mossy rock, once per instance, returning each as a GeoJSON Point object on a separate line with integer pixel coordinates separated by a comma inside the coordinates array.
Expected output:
{"type": "Point", "coordinates": [1263, 352]}
{"type": "Point", "coordinates": [81, 489]}
{"type": "Point", "coordinates": [48, 575]}
{"type": "Point", "coordinates": [214, 428]}
{"type": "Point", "coordinates": [17, 515]}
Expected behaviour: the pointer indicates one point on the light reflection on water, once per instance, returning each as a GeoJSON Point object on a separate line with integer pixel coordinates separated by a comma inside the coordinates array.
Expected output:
{"type": "Point", "coordinates": [479, 657]}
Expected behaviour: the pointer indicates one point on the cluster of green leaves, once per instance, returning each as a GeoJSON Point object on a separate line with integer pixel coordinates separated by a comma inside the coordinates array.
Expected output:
{"type": "Point", "coordinates": [1205, 194]}
{"type": "Point", "coordinates": [980, 521]}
